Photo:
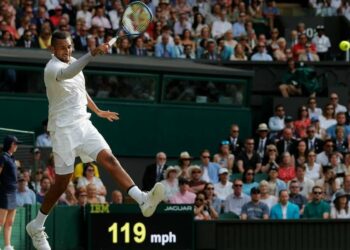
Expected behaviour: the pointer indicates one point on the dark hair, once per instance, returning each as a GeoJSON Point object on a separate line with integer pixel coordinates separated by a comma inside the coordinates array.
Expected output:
{"type": "Point", "coordinates": [86, 166]}
{"type": "Point", "coordinates": [59, 35]}
{"type": "Point", "coordinates": [195, 22]}
{"type": "Point", "coordinates": [244, 179]}
{"type": "Point", "coordinates": [337, 205]}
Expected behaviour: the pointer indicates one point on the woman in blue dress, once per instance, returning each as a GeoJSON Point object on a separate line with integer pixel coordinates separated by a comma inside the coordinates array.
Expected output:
{"type": "Point", "coordinates": [8, 186]}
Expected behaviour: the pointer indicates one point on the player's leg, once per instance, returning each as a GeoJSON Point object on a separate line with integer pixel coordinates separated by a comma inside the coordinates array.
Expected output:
{"type": "Point", "coordinates": [36, 227]}
{"type": "Point", "coordinates": [8, 228]}
{"type": "Point", "coordinates": [3, 214]}
{"type": "Point", "coordinates": [148, 201]}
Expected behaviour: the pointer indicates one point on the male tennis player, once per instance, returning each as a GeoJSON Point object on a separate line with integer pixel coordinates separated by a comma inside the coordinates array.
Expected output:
{"type": "Point", "coordinates": [74, 135]}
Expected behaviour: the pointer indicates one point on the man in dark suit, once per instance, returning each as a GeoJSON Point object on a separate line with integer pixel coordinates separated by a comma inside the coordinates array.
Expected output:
{"type": "Point", "coordinates": [287, 143]}
{"type": "Point", "coordinates": [236, 144]}
{"type": "Point", "coordinates": [80, 40]}
{"type": "Point", "coordinates": [26, 40]}
{"type": "Point", "coordinates": [313, 143]}
{"type": "Point", "coordinates": [262, 140]}
{"type": "Point", "coordinates": [211, 53]}
{"type": "Point", "coordinates": [138, 48]}
{"type": "Point", "coordinates": [154, 172]}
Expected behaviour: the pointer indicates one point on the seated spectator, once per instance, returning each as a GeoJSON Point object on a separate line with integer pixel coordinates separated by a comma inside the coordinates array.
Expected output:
{"type": "Point", "coordinates": [323, 157]}
{"type": "Point", "coordinates": [287, 143]}
{"type": "Point", "coordinates": [45, 36]}
{"type": "Point", "coordinates": [280, 52]}
{"type": "Point", "coordinates": [275, 184]}
{"type": "Point", "coordinates": [138, 49]}
{"type": "Point", "coordinates": [115, 14]}
{"type": "Point", "coordinates": [182, 24]}
{"type": "Point", "coordinates": [45, 185]}
{"type": "Point", "coordinates": [309, 55]}
{"type": "Point", "coordinates": [82, 197]}
{"type": "Point", "coordinates": [6, 39]}
{"type": "Point", "coordinates": [198, 24]}
{"type": "Point", "coordinates": [90, 178]}
{"type": "Point", "coordinates": [265, 197]}
{"type": "Point", "coordinates": [325, 9]}
{"type": "Point", "coordinates": [229, 40]}
{"type": "Point", "coordinates": [329, 183]}
{"type": "Point", "coordinates": [92, 197]}
{"type": "Point", "coordinates": [24, 195]}
{"type": "Point", "coordinates": [68, 198]}
{"type": "Point", "coordinates": [238, 28]}
{"type": "Point", "coordinates": [196, 183]}
{"type": "Point", "coordinates": [262, 140]}
{"type": "Point", "coordinates": [270, 12]}
{"type": "Point", "coordinates": [100, 19]}
{"type": "Point", "coordinates": [123, 47]}
{"type": "Point", "coordinates": [261, 54]}
{"type": "Point", "coordinates": [322, 43]}
{"type": "Point", "coordinates": [164, 48]}
{"type": "Point", "coordinates": [224, 187]}
{"type": "Point", "coordinates": [212, 200]}
{"type": "Point", "coordinates": [286, 170]}
{"type": "Point", "coordinates": [249, 159]}
{"type": "Point", "coordinates": [179, 49]}
{"type": "Point", "coordinates": [341, 142]}
{"type": "Point", "coordinates": [224, 157]}
{"type": "Point", "coordinates": [289, 85]}
{"type": "Point", "coordinates": [276, 122]}
{"type": "Point", "coordinates": [50, 169]}
{"type": "Point", "coordinates": [297, 198]}
{"type": "Point", "coordinates": [184, 196]}
{"type": "Point", "coordinates": [305, 184]}
{"type": "Point", "coordinates": [313, 170]}
{"type": "Point", "coordinates": [293, 39]}
{"type": "Point", "coordinates": [300, 154]}
{"type": "Point", "coordinates": [220, 26]}
{"type": "Point", "coordinates": [340, 209]}
{"type": "Point", "coordinates": [314, 111]}
{"type": "Point", "coordinates": [210, 169]}
{"type": "Point", "coordinates": [337, 167]}
{"type": "Point", "coordinates": [210, 52]}
{"type": "Point", "coordinates": [334, 99]}
{"type": "Point", "coordinates": [300, 47]}
{"type": "Point", "coordinates": [317, 208]}
{"type": "Point", "coordinates": [85, 14]}
{"type": "Point", "coordinates": [201, 210]}
{"type": "Point", "coordinates": [270, 158]}
{"type": "Point", "coordinates": [79, 170]}
{"type": "Point", "coordinates": [341, 123]}
{"type": "Point", "coordinates": [272, 42]}
{"type": "Point", "coordinates": [184, 163]}
{"type": "Point", "coordinates": [154, 172]}
{"type": "Point", "coordinates": [188, 53]}
{"type": "Point", "coordinates": [327, 119]}
{"type": "Point", "coordinates": [27, 41]}
{"type": "Point", "coordinates": [302, 122]}
{"type": "Point", "coordinates": [171, 182]}
{"type": "Point", "coordinates": [347, 163]}
{"type": "Point", "coordinates": [224, 51]}
{"type": "Point", "coordinates": [248, 181]}
{"type": "Point", "coordinates": [239, 54]}
{"type": "Point", "coordinates": [284, 209]}
{"type": "Point", "coordinates": [117, 197]}
{"type": "Point", "coordinates": [255, 209]}
{"type": "Point", "coordinates": [235, 201]}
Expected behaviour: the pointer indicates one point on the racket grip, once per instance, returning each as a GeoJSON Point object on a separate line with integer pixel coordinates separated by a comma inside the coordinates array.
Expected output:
{"type": "Point", "coordinates": [112, 41]}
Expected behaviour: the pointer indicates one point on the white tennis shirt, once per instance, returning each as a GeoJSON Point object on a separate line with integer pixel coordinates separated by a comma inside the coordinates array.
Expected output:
{"type": "Point", "coordinates": [66, 92]}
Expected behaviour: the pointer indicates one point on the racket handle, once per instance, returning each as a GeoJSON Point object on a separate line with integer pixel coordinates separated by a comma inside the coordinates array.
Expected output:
{"type": "Point", "coordinates": [112, 41]}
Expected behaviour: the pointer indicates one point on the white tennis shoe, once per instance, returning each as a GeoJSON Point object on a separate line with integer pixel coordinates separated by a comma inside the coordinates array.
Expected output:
{"type": "Point", "coordinates": [152, 199]}
{"type": "Point", "coordinates": [39, 237]}
{"type": "Point", "coordinates": [9, 248]}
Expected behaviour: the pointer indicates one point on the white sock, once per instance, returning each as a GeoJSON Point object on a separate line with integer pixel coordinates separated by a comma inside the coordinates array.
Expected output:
{"type": "Point", "coordinates": [136, 194]}
{"type": "Point", "coordinates": [40, 219]}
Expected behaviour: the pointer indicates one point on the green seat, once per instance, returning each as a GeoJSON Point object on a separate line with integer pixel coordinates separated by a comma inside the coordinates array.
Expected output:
{"type": "Point", "coordinates": [228, 216]}
{"type": "Point", "coordinates": [235, 176]}
{"type": "Point", "coordinates": [260, 176]}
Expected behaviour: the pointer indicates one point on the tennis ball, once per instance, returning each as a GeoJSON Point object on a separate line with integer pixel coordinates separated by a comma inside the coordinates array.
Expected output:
{"type": "Point", "coordinates": [344, 45]}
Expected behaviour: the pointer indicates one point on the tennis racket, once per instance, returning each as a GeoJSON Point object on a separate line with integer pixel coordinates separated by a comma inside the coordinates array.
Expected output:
{"type": "Point", "coordinates": [135, 20]}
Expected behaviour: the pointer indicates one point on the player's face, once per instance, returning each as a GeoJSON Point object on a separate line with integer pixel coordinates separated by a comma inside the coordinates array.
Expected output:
{"type": "Point", "coordinates": [63, 49]}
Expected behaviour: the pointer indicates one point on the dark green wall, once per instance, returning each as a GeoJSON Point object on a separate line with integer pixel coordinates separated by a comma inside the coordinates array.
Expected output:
{"type": "Point", "coordinates": [143, 129]}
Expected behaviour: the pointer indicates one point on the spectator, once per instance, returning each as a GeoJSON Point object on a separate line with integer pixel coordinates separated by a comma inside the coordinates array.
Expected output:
{"type": "Point", "coordinates": [327, 117]}
{"type": "Point", "coordinates": [287, 143]}
{"type": "Point", "coordinates": [249, 158]}
{"type": "Point", "coordinates": [224, 187]}
{"type": "Point", "coordinates": [6, 39]}
{"type": "Point", "coordinates": [211, 52]}
{"type": "Point", "coordinates": [312, 168]}
{"type": "Point", "coordinates": [300, 154]}
{"type": "Point", "coordinates": [68, 197]}
{"type": "Point", "coordinates": [201, 210]}
{"type": "Point", "coordinates": [269, 200]}
{"type": "Point", "coordinates": [171, 182]}
{"type": "Point", "coordinates": [347, 163]}
{"type": "Point", "coordinates": [164, 48]}
{"type": "Point", "coordinates": [270, 158]}
{"type": "Point", "coordinates": [276, 122]}
{"type": "Point", "coordinates": [317, 208]}
{"type": "Point", "coordinates": [323, 157]}
{"type": "Point", "coordinates": [55, 19]}
{"type": "Point", "coordinates": [196, 183]}
{"type": "Point", "coordinates": [290, 84]}
{"type": "Point", "coordinates": [26, 41]}
{"type": "Point", "coordinates": [303, 121]}
{"type": "Point", "coordinates": [284, 209]}
{"type": "Point", "coordinates": [270, 12]}
{"type": "Point", "coordinates": [341, 122]}
{"type": "Point", "coordinates": [90, 178]}
{"type": "Point", "coordinates": [272, 42]}
{"type": "Point", "coordinates": [198, 24]}
{"type": "Point", "coordinates": [37, 162]}
{"type": "Point", "coordinates": [229, 40]}
{"type": "Point", "coordinates": [235, 201]}
{"type": "Point", "coordinates": [117, 197]}
{"type": "Point", "coordinates": [220, 26]}
{"type": "Point", "coordinates": [44, 140]}
{"type": "Point", "coordinates": [115, 14]}
{"type": "Point", "coordinates": [139, 49]}
{"type": "Point", "coordinates": [212, 201]}
{"type": "Point", "coordinates": [280, 52]}
{"type": "Point", "coordinates": [322, 43]}
{"type": "Point", "coordinates": [100, 19]}
{"type": "Point", "coordinates": [286, 170]}
{"type": "Point", "coordinates": [154, 172]}
{"type": "Point", "coordinates": [239, 54]}
{"type": "Point", "coordinates": [248, 181]}
{"type": "Point", "coordinates": [300, 47]}
{"type": "Point", "coordinates": [293, 40]}
{"type": "Point", "coordinates": [224, 157]}
{"type": "Point", "coordinates": [309, 55]}
{"type": "Point", "coordinates": [82, 197]}
{"type": "Point", "coordinates": [238, 28]}
{"type": "Point", "coordinates": [188, 53]}
{"type": "Point", "coordinates": [329, 183]}
{"type": "Point", "coordinates": [183, 7]}
{"type": "Point", "coordinates": [346, 185]}
{"type": "Point", "coordinates": [24, 195]}
{"type": "Point", "coordinates": [275, 184]}
{"type": "Point", "coordinates": [338, 169]}
{"type": "Point", "coordinates": [341, 142]}
{"type": "Point", "coordinates": [184, 163]}
{"type": "Point", "coordinates": [182, 24]}
{"type": "Point", "coordinates": [236, 143]}
{"type": "Point", "coordinates": [314, 111]}
{"type": "Point", "coordinates": [340, 210]}
{"type": "Point", "coordinates": [45, 36]}
{"type": "Point", "coordinates": [92, 197]}
{"type": "Point", "coordinates": [81, 39]}
{"type": "Point", "coordinates": [45, 185]}
{"type": "Point", "coordinates": [123, 46]}
{"type": "Point", "coordinates": [184, 196]}
{"type": "Point", "coordinates": [179, 49]}
{"type": "Point", "coordinates": [261, 55]}
{"type": "Point", "coordinates": [255, 209]}
{"type": "Point", "coordinates": [210, 169]}
{"type": "Point", "coordinates": [313, 143]}
{"type": "Point", "coordinates": [295, 196]}
{"type": "Point", "coordinates": [305, 184]}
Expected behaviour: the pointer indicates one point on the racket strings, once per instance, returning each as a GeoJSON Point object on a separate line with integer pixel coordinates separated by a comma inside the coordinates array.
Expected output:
{"type": "Point", "coordinates": [136, 18]}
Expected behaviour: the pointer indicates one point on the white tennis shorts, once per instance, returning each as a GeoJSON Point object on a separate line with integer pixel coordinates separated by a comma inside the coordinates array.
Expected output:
{"type": "Point", "coordinates": [81, 139]}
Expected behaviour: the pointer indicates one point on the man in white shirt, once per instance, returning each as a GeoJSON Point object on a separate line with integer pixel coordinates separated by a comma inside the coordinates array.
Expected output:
{"type": "Point", "coordinates": [334, 99]}
{"type": "Point", "coordinates": [74, 135]}
{"type": "Point", "coordinates": [305, 184]}
{"type": "Point", "coordinates": [322, 43]}
{"type": "Point", "coordinates": [261, 55]}
{"type": "Point", "coordinates": [235, 201]}
{"type": "Point", "coordinates": [223, 188]}
{"type": "Point", "coordinates": [220, 27]}
{"type": "Point", "coordinates": [44, 139]}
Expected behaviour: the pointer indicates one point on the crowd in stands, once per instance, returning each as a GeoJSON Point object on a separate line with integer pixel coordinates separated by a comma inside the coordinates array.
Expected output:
{"type": "Point", "coordinates": [237, 30]}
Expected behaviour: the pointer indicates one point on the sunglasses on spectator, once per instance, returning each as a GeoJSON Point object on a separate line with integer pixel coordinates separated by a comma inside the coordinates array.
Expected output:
{"type": "Point", "coordinates": [196, 172]}
{"type": "Point", "coordinates": [210, 188]}
{"type": "Point", "coordinates": [238, 185]}
{"type": "Point", "coordinates": [294, 186]}
{"type": "Point", "coordinates": [317, 192]}
{"type": "Point", "coordinates": [90, 170]}
{"type": "Point", "coordinates": [225, 142]}
{"type": "Point", "coordinates": [250, 173]}
{"type": "Point", "coordinates": [198, 199]}
{"type": "Point", "coordinates": [235, 131]}
{"type": "Point", "coordinates": [272, 150]}
{"type": "Point", "coordinates": [205, 156]}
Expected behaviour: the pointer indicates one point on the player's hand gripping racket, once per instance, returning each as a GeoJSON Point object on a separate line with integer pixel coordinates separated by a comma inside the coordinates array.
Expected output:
{"type": "Point", "coordinates": [135, 20]}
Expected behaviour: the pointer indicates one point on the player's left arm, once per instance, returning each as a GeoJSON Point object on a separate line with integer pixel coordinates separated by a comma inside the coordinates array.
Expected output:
{"type": "Point", "coordinates": [110, 116]}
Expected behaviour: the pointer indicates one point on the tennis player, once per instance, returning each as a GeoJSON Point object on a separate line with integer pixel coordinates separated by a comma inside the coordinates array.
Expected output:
{"type": "Point", "coordinates": [74, 135]}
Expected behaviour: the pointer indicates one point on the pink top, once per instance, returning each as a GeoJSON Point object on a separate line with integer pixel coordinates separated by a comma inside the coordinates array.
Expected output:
{"type": "Point", "coordinates": [286, 173]}
{"type": "Point", "coordinates": [187, 198]}
{"type": "Point", "coordinates": [301, 125]}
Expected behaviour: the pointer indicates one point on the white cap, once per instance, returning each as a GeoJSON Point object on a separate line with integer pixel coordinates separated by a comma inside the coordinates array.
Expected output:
{"type": "Point", "coordinates": [223, 171]}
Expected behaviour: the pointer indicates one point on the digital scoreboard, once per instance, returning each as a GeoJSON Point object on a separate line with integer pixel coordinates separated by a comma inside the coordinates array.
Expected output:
{"type": "Point", "coordinates": [122, 227]}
